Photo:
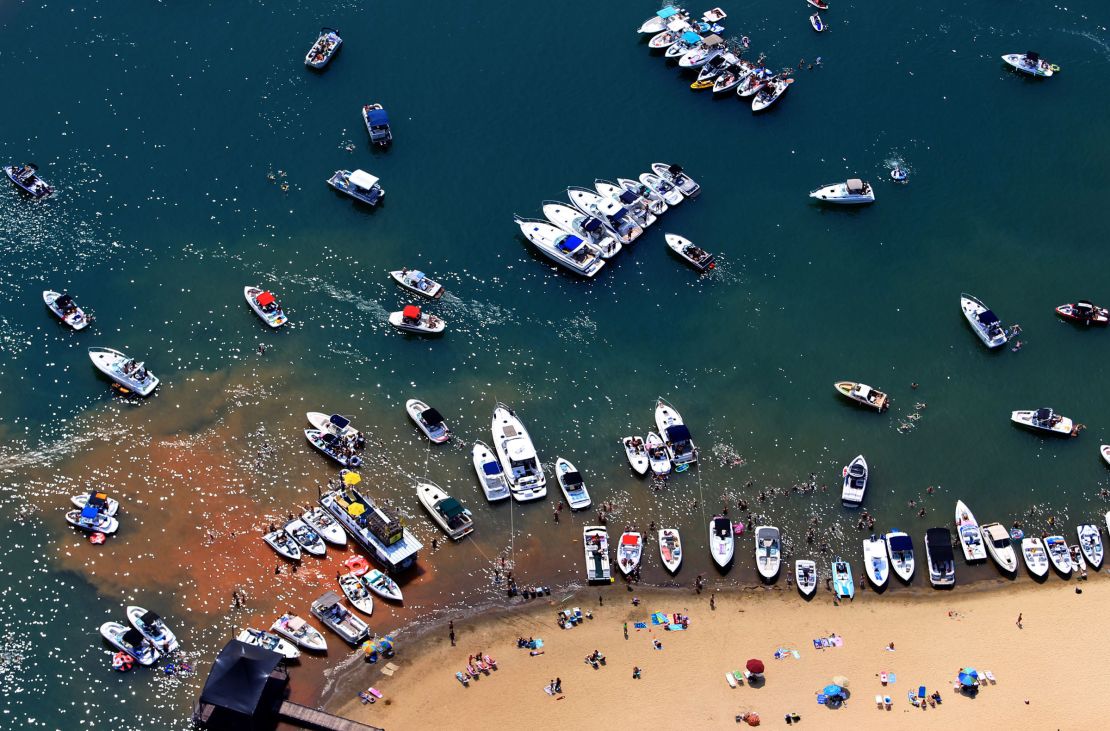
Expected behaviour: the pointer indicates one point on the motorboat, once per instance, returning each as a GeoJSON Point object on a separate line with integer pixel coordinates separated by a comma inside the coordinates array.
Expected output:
{"type": "Point", "coordinates": [721, 542]}
{"type": "Point", "coordinates": [491, 475]}
{"type": "Point", "coordinates": [805, 575]}
{"type": "Point", "coordinates": [636, 452]}
{"type": "Point", "coordinates": [655, 202]}
{"type": "Point", "coordinates": [153, 628]}
{"type": "Point", "coordinates": [670, 548]}
{"type": "Point", "coordinates": [98, 500]}
{"type": "Point", "coordinates": [999, 546]}
{"type": "Point", "coordinates": [1045, 420]}
{"type": "Point", "coordinates": [130, 640]}
{"type": "Point", "coordinates": [673, 33]}
{"type": "Point", "coordinates": [710, 47]}
{"type": "Point", "coordinates": [318, 519]}
{"type": "Point", "coordinates": [852, 192]}
{"type": "Point", "coordinates": [664, 15]}
{"type": "Point", "coordinates": [1058, 553]}
{"type": "Point", "coordinates": [1104, 450]}
{"type": "Point", "coordinates": [863, 394]}
{"type": "Point", "coordinates": [819, 4]}
{"type": "Point", "coordinates": [1031, 63]}
{"type": "Point", "coordinates": [680, 445]}
{"type": "Point", "coordinates": [618, 219]}
{"type": "Point", "coordinates": [333, 442]}
{"type": "Point", "coordinates": [377, 124]}
{"type": "Point", "coordinates": [1084, 313]}
{"type": "Point", "coordinates": [308, 539]}
{"type": "Point", "coordinates": [971, 540]}
{"type": "Point", "coordinates": [91, 519]}
{"type": "Point", "coordinates": [335, 424]}
{"type": "Point", "coordinates": [269, 641]}
{"type": "Point", "coordinates": [26, 178]}
{"type": "Point", "coordinates": [265, 305]}
{"type": "Point", "coordinates": [572, 484]}
{"type": "Point", "coordinates": [514, 448]}
{"type": "Point", "coordinates": [768, 551]}
{"type": "Point", "coordinates": [754, 82]}
{"type": "Point", "coordinates": [300, 632]}
{"type": "Point", "coordinates": [412, 319]}
{"type": "Point", "coordinates": [567, 250]}
{"type": "Point", "coordinates": [330, 611]}
{"type": "Point", "coordinates": [817, 23]}
{"type": "Point", "coordinates": [770, 94]}
{"type": "Point", "coordinates": [899, 547]}
{"type": "Point", "coordinates": [693, 255]}
{"type": "Point", "coordinates": [732, 76]}
{"type": "Point", "coordinates": [676, 176]}
{"type": "Point", "coordinates": [666, 190]}
{"type": "Point", "coordinates": [418, 282]}
{"type": "Point", "coordinates": [629, 551]}
{"type": "Point", "coordinates": [855, 476]}
{"type": "Point", "coordinates": [1035, 555]}
{"type": "Point", "coordinates": [939, 556]}
{"type": "Point", "coordinates": [382, 585]}
{"type": "Point", "coordinates": [1090, 541]}
{"type": "Point", "coordinates": [633, 202]}
{"type": "Point", "coordinates": [589, 228]}
{"type": "Point", "coordinates": [658, 457]}
{"type": "Point", "coordinates": [596, 540]}
{"type": "Point", "coordinates": [687, 40]}
{"type": "Point", "coordinates": [428, 420]}
{"type": "Point", "coordinates": [129, 375]}
{"type": "Point", "coordinates": [358, 184]}
{"type": "Point", "coordinates": [284, 544]}
{"type": "Point", "coordinates": [357, 593]}
{"type": "Point", "coordinates": [447, 512]}
{"type": "Point", "coordinates": [875, 561]}
{"type": "Point", "coordinates": [324, 49]}
{"type": "Point", "coordinates": [62, 305]}
{"type": "Point", "coordinates": [843, 585]}
{"type": "Point", "coordinates": [983, 321]}
{"type": "Point", "coordinates": [716, 66]}
{"type": "Point", "coordinates": [1078, 562]}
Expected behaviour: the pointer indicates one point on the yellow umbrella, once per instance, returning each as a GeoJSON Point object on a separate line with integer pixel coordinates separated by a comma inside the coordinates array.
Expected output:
{"type": "Point", "coordinates": [356, 509]}
{"type": "Point", "coordinates": [840, 680]}
{"type": "Point", "coordinates": [352, 478]}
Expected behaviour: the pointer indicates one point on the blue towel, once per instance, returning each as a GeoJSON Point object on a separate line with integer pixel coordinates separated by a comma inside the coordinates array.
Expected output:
{"type": "Point", "coordinates": [821, 698]}
{"type": "Point", "coordinates": [891, 678]}
{"type": "Point", "coordinates": [675, 627]}
{"type": "Point", "coordinates": [641, 625]}
{"type": "Point", "coordinates": [536, 644]}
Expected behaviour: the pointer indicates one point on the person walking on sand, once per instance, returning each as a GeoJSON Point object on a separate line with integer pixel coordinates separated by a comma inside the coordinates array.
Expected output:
{"type": "Point", "coordinates": [1019, 620]}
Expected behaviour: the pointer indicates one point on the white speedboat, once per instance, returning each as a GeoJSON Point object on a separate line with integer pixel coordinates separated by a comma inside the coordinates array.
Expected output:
{"type": "Point", "coordinates": [412, 319]}
{"type": "Point", "coordinates": [817, 23]}
{"type": "Point", "coordinates": [269, 641]}
{"type": "Point", "coordinates": [382, 585]}
{"type": "Point", "coordinates": [132, 376]}
{"type": "Point", "coordinates": [428, 420]}
{"type": "Point", "coordinates": [768, 551]}
{"type": "Point", "coordinates": [618, 219]}
{"type": "Point", "coordinates": [572, 484]}
{"type": "Point", "coordinates": [687, 40]}
{"type": "Point", "coordinates": [1030, 63]}
{"type": "Point", "coordinates": [491, 475]}
{"type": "Point", "coordinates": [376, 119]}
{"type": "Point", "coordinates": [732, 77]}
{"type": "Point", "coordinates": [636, 452]}
{"type": "Point", "coordinates": [330, 611]}
{"type": "Point", "coordinates": [664, 15]}
{"type": "Point", "coordinates": [939, 557]}
{"type": "Point", "coordinates": [338, 449]}
{"type": "Point", "coordinates": [98, 500]}
{"type": "Point", "coordinates": [999, 546]}
{"type": "Point", "coordinates": [300, 632]}
{"type": "Point", "coordinates": [695, 256]}
{"type": "Point", "coordinates": [654, 201]}
{"type": "Point", "coordinates": [514, 448]}
{"type": "Point", "coordinates": [318, 519]}
{"type": "Point", "coordinates": [670, 548]}
{"type": "Point", "coordinates": [324, 49]}
{"type": "Point", "coordinates": [357, 593]}
{"type": "Point", "coordinates": [721, 543]}
{"type": "Point", "coordinates": [672, 195]}
{"type": "Point", "coordinates": [710, 47]}
{"type": "Point", "coordinates": [634, 203]}
{"type": "Point", "coordinates": [852, 192]}
{"type": "Point", "coordinates": [308, 539]}
{"type": "Point", "coordinates": [153, 628]}
{"type": "Point", "coordinates": [1078, 562]}
{"type": "Point", "coordinates": [26, 178]}
{"type": "Point", "coordinates": [336, 424]}
{"type": "Point", "coordinates": [596, 540]}
{"type": "Point", "coordinates": [588, 228]}
{"type": "Point", "coordinates": [714, 68]}
{"type": "Point", "coordinates": [567, 250]}
{"type": "Point", "coordinates": [284, 544]}
{"type": "Point", "coordinates": [843, 585]}
{"type": "Point", "coordinates": [805, 574]}
{"type": "Point", "coordinates": [899, 547]}
{"type": "Point", "coordinates": [62, 305]}
{"type": "Point", "coordinates": [770, 94]}
{"type": "Point", "coordinates": [658, 456]}
{"type": "Point", "coordinates": [130, 640]}
{"type": "Point", "coordinates": [629, 551]}
{"type": "Point", "coordinates": [968, 529]}
{"type": "Point", "coordinates": [1045, 420]}
{"type": "Point", "coordinates": [91, 519]}
{"type": "Point", "coordinates": [983, 321]}
{"type": "Point", "coordinates": [676, 176]}
{"type": "Point", "coordinates": [418, 282]}
{"type": "Point", "coordinates": [670, 35]}
{"type": "Point", "coordinates": [680, 445]}
{"type": "Point", "coordinates": [358, 184]}
{"type": "Point", "coordinates": [265, 305]}
{"type": "Point", "coordinates": [855, 482]}
{"type": "Point", "coordinates": [754, 82]}
{"type": "Point", "coordinates": [1035, 555]}
{"type": "Point", "coordinates": [875, 562]}
{"type": "Point", "coordinates": [447, 512]}
{"type": "Point", "coordinates": [1090, 540]}
{"type": "Point", "coordinates": [863, 394]}
{"type": "Point", "coordinates": [1058, 553]}
{"type": "Point", "coordinates": [1104, 450]}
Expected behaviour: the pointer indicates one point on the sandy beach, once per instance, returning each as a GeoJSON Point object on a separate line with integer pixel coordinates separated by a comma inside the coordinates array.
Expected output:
{"type": "Point", "coordinates": [683, 684]}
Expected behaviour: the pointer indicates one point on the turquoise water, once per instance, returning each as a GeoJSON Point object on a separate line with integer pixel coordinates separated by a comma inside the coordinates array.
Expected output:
{"type": "Point", "coordinates": [159, 125]}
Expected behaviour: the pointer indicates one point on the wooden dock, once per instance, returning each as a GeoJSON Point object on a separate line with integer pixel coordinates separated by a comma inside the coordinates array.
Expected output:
{"type": "Point", "coordinates": [312, 718]}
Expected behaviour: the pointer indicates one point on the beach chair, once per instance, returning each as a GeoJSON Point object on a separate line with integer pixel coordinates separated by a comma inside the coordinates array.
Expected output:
{"type": "Point", "coordinates": [879, 701]}
{"type": "Point", "coordinates": [989, 676]}
{"type": "Point", "coordinates": [957, 686]}
{"type": "Point", "coordinates": [888, 702]}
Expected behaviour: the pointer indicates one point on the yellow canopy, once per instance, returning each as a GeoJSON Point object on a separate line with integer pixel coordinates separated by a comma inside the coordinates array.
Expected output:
{"type": "Point", "coordinates": [356, 509]}
{"type": "Point", "coordinates": [352, 478]}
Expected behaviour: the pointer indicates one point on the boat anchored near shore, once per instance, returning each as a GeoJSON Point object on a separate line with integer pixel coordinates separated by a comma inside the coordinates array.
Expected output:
{"type": "Point", "coordinates": [129, 375]}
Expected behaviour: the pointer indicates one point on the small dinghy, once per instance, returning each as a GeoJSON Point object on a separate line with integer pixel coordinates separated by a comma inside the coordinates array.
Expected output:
{"type": "Point", "coordinates": [670, 548]}
{"type": "Point", "coordinates": [153, 628]}
{"type": "Point", "coordinates": [428, 420]}
{"type": "Point", "coordinates": [971, 540]}
{"type": "Point", "coordinates": [324, 48]}
{"type": "Point", "coordinates": [852, 192]}
{"type": "Point", "coordinates": [1000, 546]}
{"type": "Point", "coordinates": [805, 574]}
{"type": "Point", "coordinates": [1091, 542]}
{"type": "Point", "coordinates": [1031, 63]}
{"type": "Point", "coordinates": [876, 562]}
{"type": "Point", "coordinates": [62, 305]}
{"type": "Point", "coordinates": [636, 452]}
{"type": "Point", "coordinates": [412, 320]}
{"type": "Point", "coordinates": [357, 593]}
{"type": "Point", "coordinates": [855, 482]}
{"type": "Point", "coordinates": [306, 538]}
{"type": "Point", "coordinates": [377, 124]}
{"type": "Point", "coordinates": [658, 456]}
{"type": "Point", "coordinates": [418, 282]}
{"type": "Point", "coordinates": [1058, 553]}
{"type": "Point", "coordinates": [572, 484]}
{"type": "Point", "coordinates": [983, 321]}
{"type": "Point", "coordinates": [721, 543]}
{"type": "Point", "coordinates": [676, 176]}
{"type": "Point", "coordinates": [1046, 421]}
{"type": "Point", "coordinates": [269, 641]}
{"type": "Point", "coordinates": [664, 15]}
{"type": "Point", "coordinates": [843, 585]}
{"type": "Point", "coordinates": [1036, 558]}
{"type": "Point", "coordinates": [130, 640]}
{"type": "Point", "coordinates": [1084, 313]}
{"type": "Point", "coordinates": [336, 448]}
{"type": "Point", "coordinates": [133, 377]}
{"type": "Point", "coordinates": [490, 473]}
{"type": "Point", "coordinates": [899, 547]}
{"type": "Point", "coordinates": [655, 202]}
{"type": "Point", "coordinates": [693, 255]}
{"type": "Point", "coordinates": [863, 394]}
{"type": "Point", "coordinates": [382, 585]}
{"type": "Point", "coordinates": [939, 557]}
{"type": "Point", "coordinates": [629, 551]}
{"type": "Point", "coordinates": [770, 94]}
{"type": "Point", "coordinates": [26, 178]}
{"type": "Point", "coordinates": [266, 306]}
{"type": "Point", "coordinates": [98, 500]}
{"type": "Point", "coordinates": [817, 23]}
{"type": "Point", "coordinates": [359, 184]}
{"type": "Point", "coordinates": [318, 519]}
{"type": "Point", "coordinates": [596, 541]}
{"type": "Point", "coordinates": [447, 512]}
{"type": "Point", "coordinates": [284, 544]}
{"type": "Point", "coordinates": [91, 519]}
{"type": "Point", "coordinates": [672, 195]}
{"type": "Point", "coordinates": [300, 632]}
{"type": "Point", "coordinates": [768, 551]}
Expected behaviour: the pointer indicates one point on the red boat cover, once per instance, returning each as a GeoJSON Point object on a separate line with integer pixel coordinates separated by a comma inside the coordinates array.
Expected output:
{"type": "Point", "coordinates": [411, 312]}
{"type": "Point", "coordinates": [265, 298]}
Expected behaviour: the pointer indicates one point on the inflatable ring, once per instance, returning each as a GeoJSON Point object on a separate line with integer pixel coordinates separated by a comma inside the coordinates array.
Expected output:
{"type": "Point", "coordinates": [357, 565]}
{"type": "Point", "coordinates": [1054, 67]}
{"type": "Point", "coordinates": [97, 538]}
{"type": "Point", "coordinates": [898, 174]}
{"type": "Point", "coordinates": [1016, 534]}
{"type": "Point", "coordinates": [682, 467]}
{"type": "Point", "coordinates": [121, 662]}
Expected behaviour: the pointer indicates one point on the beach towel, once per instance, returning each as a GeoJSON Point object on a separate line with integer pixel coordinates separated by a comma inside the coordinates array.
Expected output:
{"type": "Point", "coordinates": [837, 641]}
{"type": "Point", "coordinates": [821, 698]}
{"type": "Point", "coordinates": [821, 643]}
{"type": "Point", "coordinates": [640, 625]}
{"type": "Point", "coordinates": [797, 655]}
{"type": "Point", "coordinates": [891, 678]}
{"type": "Point", "coordinates": [675, 627]}
{"type": "Point", "coordinates": [536, 643]}
{"type": "Point", "coordinates": [547, 689]}
{"type": "Point", "coordinates": [659, 618]}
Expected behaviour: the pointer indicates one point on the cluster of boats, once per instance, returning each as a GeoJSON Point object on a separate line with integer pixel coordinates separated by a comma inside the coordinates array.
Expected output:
{"type": "Point", "coordinates": [412, 318]}
{"type": "Point", "coordinates": [95, 512]}
{"type": "Point", "coordinates": [147, 639]}
{"type": "Point", "coordinates": [290, 633]}
{"type": "Point", "coordinates": [670, 446]}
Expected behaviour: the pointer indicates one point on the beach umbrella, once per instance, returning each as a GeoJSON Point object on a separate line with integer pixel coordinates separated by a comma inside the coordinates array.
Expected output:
{"type": "Point", "coordinates": [755, 666]}
{"type": "Point", "coordinates": [356, 509]}
{"type": "Point", "coordinates": [833, 691]}
{"type": "Point", "coordinates": [840, 680]}
{"type": "Point", "coordinates": [352, 478]}
{"type": "Point", "coordinates": [970, 671]}
{"type": "Point", "coordinates": [967, 680]}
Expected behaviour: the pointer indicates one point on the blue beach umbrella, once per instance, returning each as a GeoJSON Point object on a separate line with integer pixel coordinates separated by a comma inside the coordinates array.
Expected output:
{"type": "Point", "coordinates": [970, 671]}
{"type": "Point", "coordinates": [833, 691]}
{"type": "Point", "coordinates": [967, 680]}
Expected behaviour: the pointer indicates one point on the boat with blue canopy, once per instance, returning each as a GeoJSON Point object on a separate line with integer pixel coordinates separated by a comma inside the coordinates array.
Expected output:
{"type": "Point", "coordinates": [377, 124]}
{"type": "Point", "coordinates": [688, 40]}
{"type": "Point", "coordinates": [566, 250]}
{"type": "Point", "coordinates": [659, 21]}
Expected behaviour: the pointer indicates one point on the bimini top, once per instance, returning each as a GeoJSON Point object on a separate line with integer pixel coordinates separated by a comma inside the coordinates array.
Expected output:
{"type": "Point", "coordinates": [591, 225]}
{"type": "Point", "coordinates": [417, 276]}
{"type": "Point", "coordinates": [901, 543]}
{"type": "Point", "coordinates": [491, 468]}
{"type": "Point", "coordinates": [855, 185]}
{"type": "Point", "coordinates": [678, 433]}
{"type": "Point", "coordinates": [939, 541]}
{"type": "Point", "coordinates": [1043, 414]}
{"type": "Point", "coordinates": [149, 618]}
{"type": "Point", "coordinates": [450, 507]}
{"type": "Point", "coordinates": [690, 37]}
{"type": "Point", "coordinates": [265, 299]}
{"type": "Point", "coordinates": [97, 500]}
{"type": "Point", "coordinates": [573, 478]}
{"type": "Point", "coordinates": [64, 301]}
{"type": "Point", "coordinates": [339, 422]}
{"type": "Point", "coordinates": [411, 312]}
{"type": "Point", "coordinates": [713, 40]}
{"type": "Point", "coordinates": [627, 197]}
{"type": "Point", "coordinates": [133, 637]}
{"type": "Point", "coordinates": [987, 317]}
{"type": "Point", "coordinates": [362, 179]}
{"type": "Point", "coordinates": [520, 450]}
{"type": "Point", "coordinates": [722, 527]}
{"type": "Point", "coordinates": [431, 417]}
{"type": "Point", "coordinates": [569, 244]}
{"type": "Point", "coordinates": [377, 118]}
{"type": "Point", "coordinates": [667, 12]}
{"type": "Point", "coordinates": [89, 512]}
{"type": "Point", "coordinates": [1033, 56]}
